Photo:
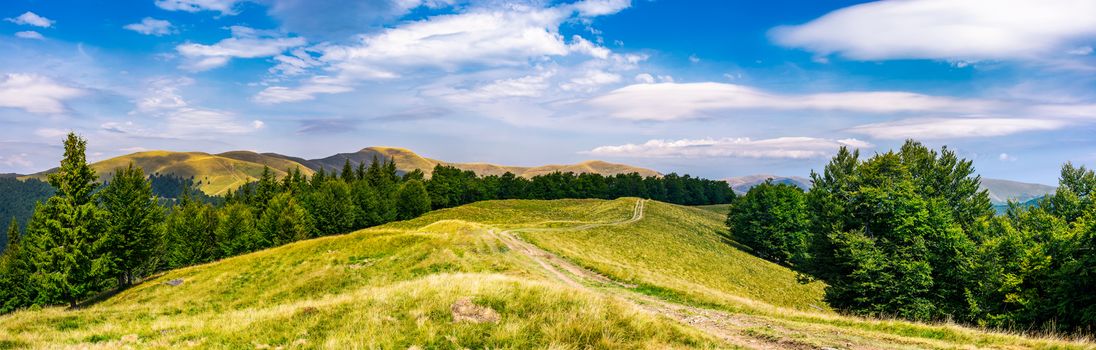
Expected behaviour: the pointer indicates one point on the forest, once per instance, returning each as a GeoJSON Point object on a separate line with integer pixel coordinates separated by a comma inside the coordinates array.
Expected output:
{"type": "Point", "coordinates": [90, 238]}
{"type": "Point", "coordinates": [908, 234]}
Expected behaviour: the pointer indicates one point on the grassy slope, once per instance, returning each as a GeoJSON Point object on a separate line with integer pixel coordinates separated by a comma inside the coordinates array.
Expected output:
{"type": "Point", "coordinates": [679, 251]}
{"type": "Point", "coordinates": [214, 174]}
{"type": "Point", "coordinates": [393, 286]}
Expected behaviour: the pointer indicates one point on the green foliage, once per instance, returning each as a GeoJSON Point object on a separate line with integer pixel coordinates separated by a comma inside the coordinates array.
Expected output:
{"type": "Point", "coordinates": [66, 243]}
{"type": "Point", "coordinates": [18, 198]}
{"type": "Point", "coordinates": [773, 220]}
{"type": "Point", "coordinates": [133, 224]}
{"type": "Point", "coordinates": [891, 235]}
{"type": "Point", "coordinates": [332, 208]}
{"type": "Point", "coordinates": [237, 230]}
{"type": "Point", "coordinates": [190, 235]}
{"type": "Point", "coordinates": [285, 221]}
{"type": "Point", "coordinates": [413, 200]}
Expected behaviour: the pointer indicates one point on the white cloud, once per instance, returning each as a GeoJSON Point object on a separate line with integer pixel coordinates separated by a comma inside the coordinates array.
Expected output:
{"type": "Point", "coordinates": [151, 26]}
{"type": "Point", "coordinates": [16, 160]}
{"type": "Point", "coordinates": [694, 59]}
{"type": "Point", "coordinates": [32, 19]}
{"type": "Point", "coordinates": [590, 81]}
{"type": "Point", "coordinates": [1005, 157]}
{"type": "Point", "coordinates": [583, 46]}
{"type": "Point", "coordinates": [644, 78]}
{"type": "Point", "coordinates": [51, 133]}
{"type": "Point", "coordinates": [244, 43]}
{"type": "Point", "coordinates": [163, 103]}
{"type": "Point", "coordinates": [669, 101]}
{"type": "Point", "coordinates": [295, 63]}
{"type": "Point", "coordinates": [308, 91]}
{"type": "Point", "coordinates": [946, 29]}
{"type": "Point", "coordinates": [481, 38]}
{"type": "Point", "coordinates": [782, 147]}
{"type": "Point", "coordinates": [953, 128]}
{"type": "Point", "coordinates": [593, 8]}
{"type": "Point", "coordinates": [30, 34]}
{"type": "Point", "coordinates": [1080, 51]}
{"type": "Point", "coordinates": [35, 93]}
{"type": "Point", "coordinates": [225, 7]}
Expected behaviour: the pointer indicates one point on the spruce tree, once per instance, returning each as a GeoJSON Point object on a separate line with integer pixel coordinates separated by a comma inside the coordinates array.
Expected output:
{"type": "Point", "coordinates": [190, 234]}
{"type": "Point", "coordinates": [412, 200]}
{"type": "Point", "coordinates": [65, 247]}
{"type": "Point", "coordinates": [237, 232]}
{"type": "Point", "coordinates": [8, 236]}
{"type": "Point", "coordinates": [134, 223]}
{"type": "Point", "coordinates": [285, 221]}
{"type": "Point", "coordinates": [15, 288]}
{"type": "Point", "coordinates": [347, 171]}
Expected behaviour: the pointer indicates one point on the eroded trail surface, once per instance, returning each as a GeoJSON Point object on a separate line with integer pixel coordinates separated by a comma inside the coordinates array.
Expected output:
{"type": "Point", "coordinates": [720, 324]}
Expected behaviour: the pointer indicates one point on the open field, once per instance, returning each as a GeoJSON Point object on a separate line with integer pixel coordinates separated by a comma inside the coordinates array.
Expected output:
{"type": "Point", "coordinates": [560, 274]}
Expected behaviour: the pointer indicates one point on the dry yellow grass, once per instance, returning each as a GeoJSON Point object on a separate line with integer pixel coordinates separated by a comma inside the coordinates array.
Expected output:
{"type": "Point", "coordinates": [397, 286]}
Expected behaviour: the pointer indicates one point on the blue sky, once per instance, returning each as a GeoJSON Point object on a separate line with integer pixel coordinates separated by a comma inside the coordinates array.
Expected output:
{"type": "Point", "coordinates": [711, 88]}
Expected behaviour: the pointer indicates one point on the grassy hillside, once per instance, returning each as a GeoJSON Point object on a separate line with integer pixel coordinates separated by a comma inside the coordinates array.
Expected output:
{"type": "Point", "coordinates": [624, 275]}
{"type": "Point", "coordinates": [268, 159]}
{"type": "Point", "coordinates": [406, 161]}
{"type": "Point", "coordinates": [214, 174]}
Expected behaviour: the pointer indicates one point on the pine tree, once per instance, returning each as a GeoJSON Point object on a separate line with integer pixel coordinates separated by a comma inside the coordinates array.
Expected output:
{"type": "Point", "coordinates": [237, 232]}
{"type": "Point", "coordinates": [413, 200]}
{"type": "Point", "coordinates": [15, 288]}
{"type": "Point", "coordinates": [65, 248]}
{"type": "Point", "coordinates": [134, 223]}
{"type": "Point", "coordinates": [285, 221]}
{"type": "Point", "coordinates": [190, 234]}
{"type": "Point", "coordinates": [10, 235]}
{"type": "Point", "coordinates": [347, 171]}
{"type": "Point", "coordinates": [332, 208]}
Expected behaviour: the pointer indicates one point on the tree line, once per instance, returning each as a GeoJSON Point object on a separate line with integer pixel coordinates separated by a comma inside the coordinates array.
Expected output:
{"type": "Point", "coordinates": [909, 234]}
{"type": "Point", "coordinates": [90, 238]}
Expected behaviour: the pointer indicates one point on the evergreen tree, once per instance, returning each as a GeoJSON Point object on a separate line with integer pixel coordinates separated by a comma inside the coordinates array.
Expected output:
{"type": "Point", "coordinates": [368, 204]}
{"type": "Point", "coordinates": [347, 172]}
{"type": "Point", "coordinates": [285, 221]}
{"type": "Point", "coordinates": [413, 200]}
{"type": "Point", "coordinates": [16, 290]}
{"type": "Point", "coordinates": [237, 230]}
{"type": "Point", "coordinates": [134, 220]}
{"type": "Point", "coordinates": [190, 234]}
{"type": "Point", "coordinates": [332, 208]}
{"type": "Point", "coordinates": [11, 236]}
{"type": "Point", "coordinates": [66, 246]}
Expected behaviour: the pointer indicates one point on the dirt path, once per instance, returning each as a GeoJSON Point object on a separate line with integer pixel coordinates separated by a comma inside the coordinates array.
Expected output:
{"type": "Point", "coordinates": [725, 326]}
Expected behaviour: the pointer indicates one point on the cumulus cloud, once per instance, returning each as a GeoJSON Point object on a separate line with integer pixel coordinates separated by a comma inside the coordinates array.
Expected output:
{"type": "Point", "coordinates": [244, 43]}
{"type": "Point", "coordinates": [593, 8]}
{"type": "Point", "coordinates": [481, 37]}
{"type": "Point", "coordinates": [151, 26]}
{"type": "Point", "coordinates": [35, 93]}
{"type": "Point", "coordinates": [590, 81]}
{"type": "Point", "coordinates": [29, 34]}
{"type": "Point", "coordinates": [670, 101]}
{"type": "Point", "coordinates": [953, 128]}
{"type": "Point", "coordinates": [163, 103]}
{"type": "Point", "coordinates": [946, 29]}
{"type": "Point", "coordinates": [31, 19]}
{"type": "Point", "coordinates": [782, 147]}
{"type": "Point", "coordinates": [225, 7]}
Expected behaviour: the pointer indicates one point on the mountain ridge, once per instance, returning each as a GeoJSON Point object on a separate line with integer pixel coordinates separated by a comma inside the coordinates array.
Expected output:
{"type": "Point", "coordinates": [1001, 191]}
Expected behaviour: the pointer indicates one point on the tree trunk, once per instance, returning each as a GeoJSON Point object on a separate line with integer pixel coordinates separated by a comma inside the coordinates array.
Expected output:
{"type": "Point", "coordinates": [72, 303]}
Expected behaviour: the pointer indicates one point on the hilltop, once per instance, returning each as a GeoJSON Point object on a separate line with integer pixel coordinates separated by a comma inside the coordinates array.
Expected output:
{"type": "Point", "coordinates": [620, 273]}
{"type": "Point", "coordinates": [215, 174]}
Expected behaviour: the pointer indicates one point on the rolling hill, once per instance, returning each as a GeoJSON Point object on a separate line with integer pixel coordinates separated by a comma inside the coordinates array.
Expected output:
{"type": "Point", "coordinates": [218, 173]}
{"type": "Point", "coordinates": [407, 160]}
{"type": "Point", "coordinates": [743, 184]}
{"type": "Point", "coordinates": [215, 174]}
{"type": "Point", "coordinates": [563, 274]}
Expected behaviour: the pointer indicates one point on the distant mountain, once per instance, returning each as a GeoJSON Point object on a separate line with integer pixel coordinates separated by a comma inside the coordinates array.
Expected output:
{"type": "Point", "coordinates": [215, 174]}
{"type": "Point", "coordinates": [1001, 191]}
{"type": "Point", "coordinates": [407, 160]}
{"type": "Point", "coordinates": [743, 184]}
{"type": "Point", "coordinates": [9, 175]}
